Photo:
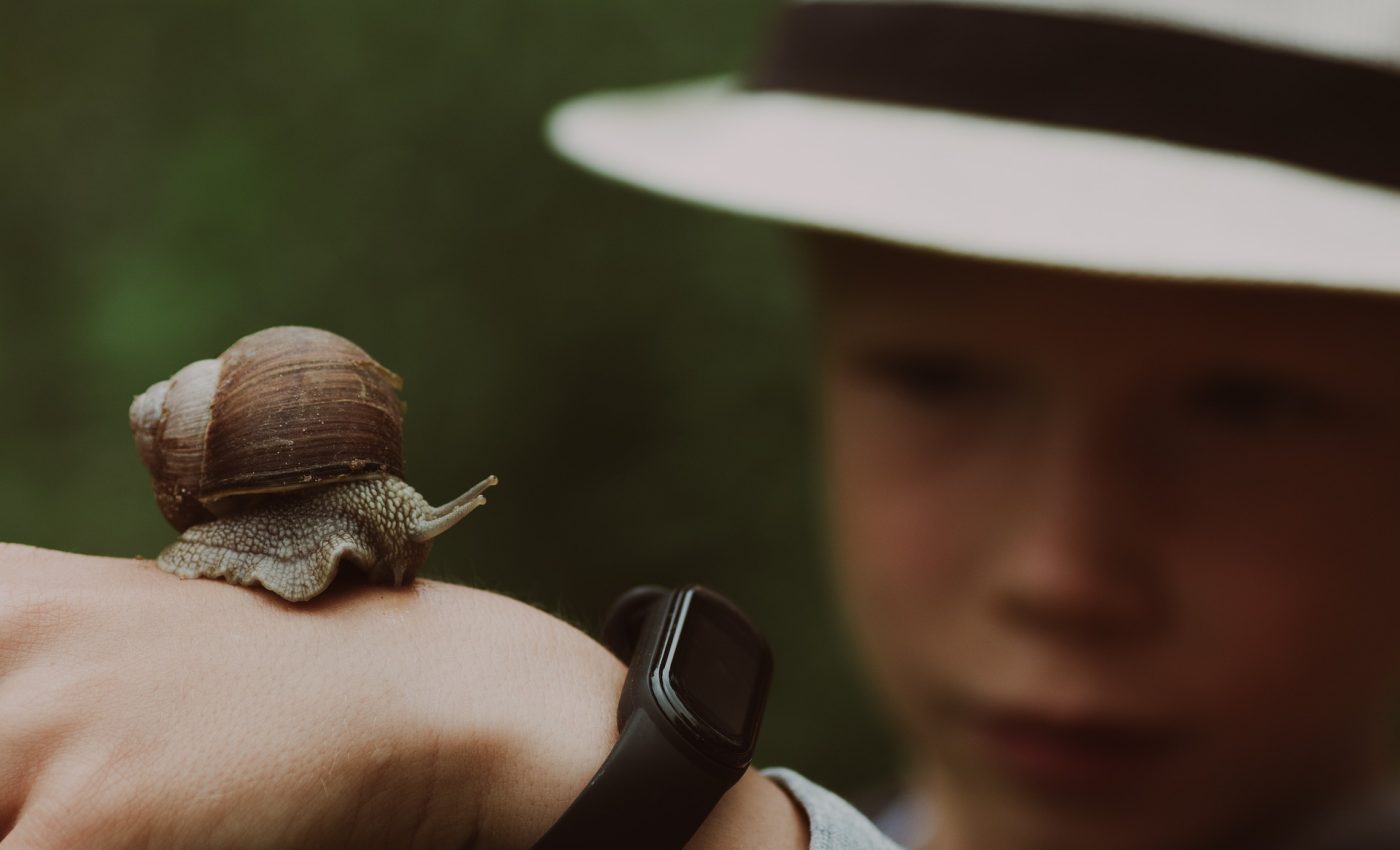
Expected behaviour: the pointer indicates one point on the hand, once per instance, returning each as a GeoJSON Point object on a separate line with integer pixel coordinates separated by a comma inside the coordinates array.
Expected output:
{"type": "Point", "coordinates": [140, 710]}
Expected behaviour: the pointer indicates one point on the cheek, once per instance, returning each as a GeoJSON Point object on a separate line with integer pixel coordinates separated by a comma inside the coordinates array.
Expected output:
{"type": "Point", "coordinates": [1291, 609]}
{"type": "Point", "coordinates": [1316, 551]}
{"type": "Point", "coordinates": [1301, 609]}
{"type": "Point", "coordinates": [906, 507]}
{"type": "Point", "coordinates": [898, 579]}
{"type": "Point", "coordinates": [1286, 554]}
{"type": "Point", "coordinates": [895, 522]}
{"type": "Point", "coordinates": [896, 542]}
{"type": "Point", "coordinates": [1288, 676]}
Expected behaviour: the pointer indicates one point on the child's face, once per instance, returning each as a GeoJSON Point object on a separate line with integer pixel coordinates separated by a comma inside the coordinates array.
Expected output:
{"type": "Point", "coordinates": [1124, 557]}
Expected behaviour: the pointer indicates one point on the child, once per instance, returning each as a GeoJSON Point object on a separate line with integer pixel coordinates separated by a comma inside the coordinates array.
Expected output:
{"type": "Point", "coordinates": [1110, 327]}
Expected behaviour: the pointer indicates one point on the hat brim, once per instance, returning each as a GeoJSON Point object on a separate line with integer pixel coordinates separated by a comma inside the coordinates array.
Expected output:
{"type": "Point", "coordinates": [987, 187]}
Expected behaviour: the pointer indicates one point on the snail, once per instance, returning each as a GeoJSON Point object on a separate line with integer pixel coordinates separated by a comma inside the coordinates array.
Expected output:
{"type": "Point", "coordinates": [281, 462]}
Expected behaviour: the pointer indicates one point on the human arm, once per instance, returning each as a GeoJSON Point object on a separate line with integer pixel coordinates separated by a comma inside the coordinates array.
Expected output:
{"type": "Point", "coordinates": [136, 709]}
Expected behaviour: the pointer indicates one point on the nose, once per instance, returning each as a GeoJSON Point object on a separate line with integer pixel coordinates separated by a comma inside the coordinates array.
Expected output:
{"type": "Point", "coordinates": [1077, 562]}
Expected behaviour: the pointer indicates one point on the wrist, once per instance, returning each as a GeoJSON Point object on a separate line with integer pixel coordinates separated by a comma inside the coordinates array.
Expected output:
{"type": "Point", "coordinates": [688, 715]}
{"type": "Point", "coordinates": [756, 813]}
{"type": "Point", "coordinates": [523, 710]}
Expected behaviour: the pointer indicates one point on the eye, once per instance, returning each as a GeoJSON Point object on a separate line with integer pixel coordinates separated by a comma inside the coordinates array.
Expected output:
{"type": "Point", "coordinates": [932, 379]}
{"type": "Point", "coordinates": [1244, 401]}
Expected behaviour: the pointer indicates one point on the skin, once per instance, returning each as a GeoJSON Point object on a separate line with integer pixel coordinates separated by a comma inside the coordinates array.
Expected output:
{"type": "Point", "coordinates": [1105, 499]}
{"type": "Point", "coordinates": [139, 710]}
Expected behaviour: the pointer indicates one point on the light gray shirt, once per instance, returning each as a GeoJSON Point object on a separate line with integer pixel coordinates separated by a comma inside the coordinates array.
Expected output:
{"type": "Point", "coordinates": [1370, 823]}
{"type": "Point", "coordinates": [833, 823]}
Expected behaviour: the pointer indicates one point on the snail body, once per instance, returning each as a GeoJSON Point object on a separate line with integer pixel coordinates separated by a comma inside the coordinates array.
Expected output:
{"type": "Point", "coordinates": [281, 462]}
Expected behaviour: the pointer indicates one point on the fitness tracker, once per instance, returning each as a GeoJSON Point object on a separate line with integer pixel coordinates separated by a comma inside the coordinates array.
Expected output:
{"type": "Point", "coordinates": [697, 682]}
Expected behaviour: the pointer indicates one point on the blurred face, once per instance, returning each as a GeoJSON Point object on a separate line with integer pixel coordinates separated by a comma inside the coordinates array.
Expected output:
{"type": "Point", "coordinates": [1123, 556]}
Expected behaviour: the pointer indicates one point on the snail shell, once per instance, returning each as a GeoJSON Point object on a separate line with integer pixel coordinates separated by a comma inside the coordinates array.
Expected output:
{"type": "Point", "coordinates": [280, 409]}
{"type": "Point", "coordinates": [282, 460]}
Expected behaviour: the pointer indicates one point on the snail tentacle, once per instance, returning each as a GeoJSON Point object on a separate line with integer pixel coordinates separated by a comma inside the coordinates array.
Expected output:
{"type": "Point", "coordinates": [436, 522]}
{"type": "Point", "coordinates": [456, 504]}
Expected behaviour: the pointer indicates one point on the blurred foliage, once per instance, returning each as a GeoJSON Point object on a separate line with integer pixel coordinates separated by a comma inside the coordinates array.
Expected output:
{"type": "Point", "coordinates": [176, 175]}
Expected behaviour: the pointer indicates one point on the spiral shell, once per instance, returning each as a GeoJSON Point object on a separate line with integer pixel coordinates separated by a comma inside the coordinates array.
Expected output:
{"type": "Point", "coordinates": [282, 409]}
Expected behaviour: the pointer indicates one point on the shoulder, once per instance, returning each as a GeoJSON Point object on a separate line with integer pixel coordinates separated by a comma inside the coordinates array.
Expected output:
{"type": "Point", "coordinates": [834, 824]}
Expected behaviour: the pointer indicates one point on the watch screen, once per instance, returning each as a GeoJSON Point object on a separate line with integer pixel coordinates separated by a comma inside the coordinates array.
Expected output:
{"type": "Point", "coordinates": [719, 667]}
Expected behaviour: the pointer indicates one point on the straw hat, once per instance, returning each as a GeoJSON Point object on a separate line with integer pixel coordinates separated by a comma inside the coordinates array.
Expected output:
{"type": "Point", "coordinates": [1250, 140]}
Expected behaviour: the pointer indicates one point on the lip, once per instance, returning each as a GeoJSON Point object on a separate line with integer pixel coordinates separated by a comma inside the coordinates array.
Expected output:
{"type": "Point", "coordinates": [1087, 753]}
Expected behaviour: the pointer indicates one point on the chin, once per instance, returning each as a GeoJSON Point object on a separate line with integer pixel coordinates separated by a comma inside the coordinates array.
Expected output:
{"type": "Point", "coordinates": [1003, 817]}
{"type": "Point", "coordinates": [1019, 778]}
{"type": "Point", "coordinates": [999, 803]}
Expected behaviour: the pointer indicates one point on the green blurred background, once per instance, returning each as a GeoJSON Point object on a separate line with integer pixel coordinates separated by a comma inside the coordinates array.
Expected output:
{"type": "Point", "coordinates": [175, 175]}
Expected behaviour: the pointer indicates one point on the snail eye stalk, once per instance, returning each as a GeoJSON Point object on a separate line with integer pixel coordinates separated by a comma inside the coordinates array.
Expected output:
{"type": "Point", "coordinates": [443, 517]}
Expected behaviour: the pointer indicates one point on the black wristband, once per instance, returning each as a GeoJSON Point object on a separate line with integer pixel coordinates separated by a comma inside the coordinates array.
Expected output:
{"type": "Point", "coordinates": [688, 719]}
{"type": "Point", "coordinates": [644, 796]}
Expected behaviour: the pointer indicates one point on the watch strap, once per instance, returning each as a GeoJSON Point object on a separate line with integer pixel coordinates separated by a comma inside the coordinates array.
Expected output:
{"type": "Point", "coordinates": [648, 795]}
{"type": "Point", "coordinates": [625, 618]}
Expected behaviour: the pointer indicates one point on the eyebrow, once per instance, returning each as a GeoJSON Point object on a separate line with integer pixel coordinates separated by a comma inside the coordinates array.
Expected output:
{"type": "Point", "coordinates": [1233, 384]}
{"type": "Point", "coordinates": [925, 362]}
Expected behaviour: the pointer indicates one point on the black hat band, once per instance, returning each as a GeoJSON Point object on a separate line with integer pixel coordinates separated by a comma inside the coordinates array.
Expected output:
{"type": "Point", "coordinates": [1333, 116]}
